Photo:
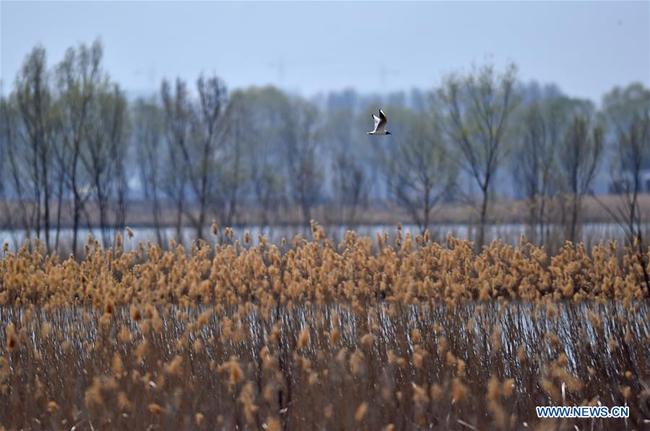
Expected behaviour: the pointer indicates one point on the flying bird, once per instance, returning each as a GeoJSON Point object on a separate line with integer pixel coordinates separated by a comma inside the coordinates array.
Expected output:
{"type": "Point", "coordinates": [380, 124]}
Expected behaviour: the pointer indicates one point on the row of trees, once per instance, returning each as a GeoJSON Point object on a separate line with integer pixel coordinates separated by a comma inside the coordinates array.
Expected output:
{"type": "Point", "coordinates": [484, 124]}
{"type": "Point", "coordinates": [75, 151]}
{"type": "Point", "coordinates": [562, 144]}
{"type": "Point", "coordinates": [64, 142]}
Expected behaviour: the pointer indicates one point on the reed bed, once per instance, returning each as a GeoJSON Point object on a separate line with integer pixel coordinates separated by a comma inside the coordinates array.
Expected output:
{"type": "Point", "coordinates": [482, 365]}
{"type": "Point", "coordinates": [399, 333]}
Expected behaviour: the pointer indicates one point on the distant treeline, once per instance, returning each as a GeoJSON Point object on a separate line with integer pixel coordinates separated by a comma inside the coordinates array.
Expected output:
{"type": "Point", "coordinates": [71, 143]}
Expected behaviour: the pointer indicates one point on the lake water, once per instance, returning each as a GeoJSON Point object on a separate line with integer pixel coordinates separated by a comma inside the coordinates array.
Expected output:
{"type": "Point", "coordinates": [591, 232]}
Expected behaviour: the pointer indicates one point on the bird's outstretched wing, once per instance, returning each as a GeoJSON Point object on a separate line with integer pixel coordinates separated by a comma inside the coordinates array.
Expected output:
{"type": "Point", "coordinates": [377, 121]}
{"type": "Point", "coordinates": [382, 118]}
{"type": "Point", "coordinates": [380, 122]}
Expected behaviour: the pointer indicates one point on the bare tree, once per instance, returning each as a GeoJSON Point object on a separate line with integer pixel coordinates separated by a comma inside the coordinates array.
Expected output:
{"type": "Point", "coordinates": [194, 135]}
{"type": "Point", "coordinates": [633, 153]}
{"type": "Point", "coordinates": [301, 146]}
{"type": "Point", "coordinates": [14, 162]}
{"type": "Point", "coordinates": [178, 118]}
{"type": "Point", "coordinates": [268, 112]}
{"type": "Point", "coordinates": [6, 136]}
{"type": "Point", "coordinates": [119, 153]}
{"type": "Point", "coordinates": [532, 167]}
{"type": "Point", "coordinates": [236, 147]}
{"type": "Point", "coordinates": [418, 170]}
{"type": "Point", "coordinates": [581, 154]}
{"type": "Point", "coordinates": [478, 107]}
{"type": "Point", "coordinates": [104, 154]}
{"type": "Point", "coordinates": [147, 138]}
{"type": "Point", "coordinates": [78, 76]}
{"type": "Point", "coordinates": [349, 174]}
{"type": "Point", "coordinates": [535, 158]}
{"type": "Point", "coordinates": [35, 107]}
{"type": "Point", "coordinates": [628, 113]}
{"type": "Point", "coordinates": [202, 161]}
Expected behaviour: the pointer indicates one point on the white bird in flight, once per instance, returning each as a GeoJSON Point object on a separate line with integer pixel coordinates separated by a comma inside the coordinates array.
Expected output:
{"type": "Point", "coordinates": [380, 124]}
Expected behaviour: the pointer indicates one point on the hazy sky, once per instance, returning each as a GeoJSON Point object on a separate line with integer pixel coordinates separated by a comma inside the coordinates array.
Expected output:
{"type": "Point", "coordinates": [584, 47]}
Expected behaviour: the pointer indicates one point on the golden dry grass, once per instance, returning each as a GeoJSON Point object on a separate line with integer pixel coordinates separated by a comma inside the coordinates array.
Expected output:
{"type": "Point", "coordinates": [407, 269]}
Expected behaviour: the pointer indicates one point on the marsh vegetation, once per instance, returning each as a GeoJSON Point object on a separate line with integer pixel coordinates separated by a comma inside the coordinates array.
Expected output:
{"type": "Point", "coordinates": [383, 333]}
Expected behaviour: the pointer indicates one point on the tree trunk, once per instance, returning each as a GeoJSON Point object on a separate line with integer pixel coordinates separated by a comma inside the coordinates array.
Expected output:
{"type": "Point", "coordinates": [76, 220]}
{"type": "Point", "coordinates": [306, 214]}
{"type": "Point", "coordinates": [46, 201]}
{"type": "Point", "coordinates": [427, 209]}
{"type": "Point", "coordinates": [574, 219]}
{"type": "Point", "coordinates": [483, 218]}
{"type": "Point", "coordinates": [156, 216]}
{"type": "Point", "coordinates": [58, 212]}
{"type": "Point", "coordinates": [179, 220]}
{"type": "Point", "coordinates": [542, 210]}
{"type": "Point", "coordinates": [201, 222]}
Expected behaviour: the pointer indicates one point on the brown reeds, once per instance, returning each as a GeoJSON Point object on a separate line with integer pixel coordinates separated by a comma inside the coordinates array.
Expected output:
{"type": "Point", "coordinates": [409, 335]}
